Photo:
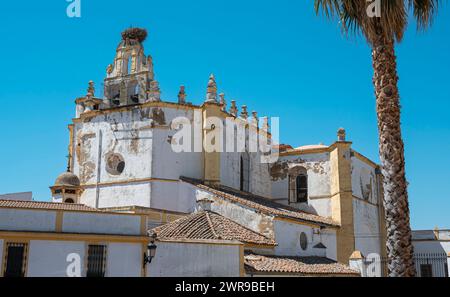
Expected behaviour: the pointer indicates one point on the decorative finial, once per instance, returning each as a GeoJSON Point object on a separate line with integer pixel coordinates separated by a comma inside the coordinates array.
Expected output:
{"type": "Point", "coordinates": [265, 124]}
{"type": "Point", "coordinates": [182, 96]}
{"type": "Point", "coordinates": [91, 89]}
{"type": "Point", "coordinates": [222, 102]}
{"type": "Point", "coordinates": [211, 92]}
{"type": "Point", "coordinates": [233, 108]}
{"type": "Point", "coordinates": [255, 118]}
{"type": "Point", "coordinates": [155, 93]}
{"type": "Point", "coordinates": [244, 113]}
{"type": "Point", "coordinates": [341, 134]}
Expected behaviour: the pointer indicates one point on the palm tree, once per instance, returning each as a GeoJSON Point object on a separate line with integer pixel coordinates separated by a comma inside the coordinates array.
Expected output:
{"type": "Point", "coordinates": [382, 32]}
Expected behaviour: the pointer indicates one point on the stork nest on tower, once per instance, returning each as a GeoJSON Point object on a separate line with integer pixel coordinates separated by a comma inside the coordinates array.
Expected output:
{"type": "Point", "coordinates": [138, 34]}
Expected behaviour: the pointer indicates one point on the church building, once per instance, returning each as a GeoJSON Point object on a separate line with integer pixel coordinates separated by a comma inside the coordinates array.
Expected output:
{"type": "Point", "coordinates": [209, 213]}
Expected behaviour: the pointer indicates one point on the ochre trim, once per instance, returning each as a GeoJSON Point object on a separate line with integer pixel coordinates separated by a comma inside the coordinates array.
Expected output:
{"type": "Point", "coordinates": [25, 241]}
{"type": "Point", "coordinates": [305, 223]}
{"type": "Point", "coordinates": [129, 181]}
{"type": "Point", "coordinates": [59, 221]}
{"type": "Point", "coordinates": [27, 235]}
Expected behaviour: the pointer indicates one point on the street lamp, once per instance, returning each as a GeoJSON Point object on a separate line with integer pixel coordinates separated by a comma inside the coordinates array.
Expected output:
{"type": "Point", "coordinates": [151, 250]}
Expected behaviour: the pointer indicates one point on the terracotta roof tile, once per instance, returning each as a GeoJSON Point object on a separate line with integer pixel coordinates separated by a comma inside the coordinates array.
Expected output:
{"type": "Point", "coordinates": [45, 205]}
{"type": "Point", "coordinates": [259, 203]}
{"type": "Point", "coordinates": [210, 225]}
{"type": "Point", "coordinates": [312, 265]}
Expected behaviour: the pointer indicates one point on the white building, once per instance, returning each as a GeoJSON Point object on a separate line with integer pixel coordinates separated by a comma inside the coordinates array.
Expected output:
{"type": "Point", "coordinates": [312, 208]}
{"type": "Point", "coordinates": [432, 252]}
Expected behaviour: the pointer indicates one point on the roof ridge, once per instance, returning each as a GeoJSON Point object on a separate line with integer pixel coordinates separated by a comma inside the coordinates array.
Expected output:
{"type": "Point", "coordinates": [243, 226]}
{"type": "Point", "coordinates": [211, 225]}
{"type": "Point", "coordinates": [45, 202]}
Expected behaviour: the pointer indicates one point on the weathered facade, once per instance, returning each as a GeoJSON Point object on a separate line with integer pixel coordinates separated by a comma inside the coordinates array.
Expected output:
{"type": "Point", "coordinates": [315, 205]}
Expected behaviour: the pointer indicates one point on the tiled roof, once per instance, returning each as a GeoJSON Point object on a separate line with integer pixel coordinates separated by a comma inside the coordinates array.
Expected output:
{"type": "Point", "coordinates": [313, 265]}
{"type": "Point", "coordinates": [210, 225]}
{"type": "Point", "coordinates": [45, 205]}
{"type": "Point", "coordinates": [259, 203]}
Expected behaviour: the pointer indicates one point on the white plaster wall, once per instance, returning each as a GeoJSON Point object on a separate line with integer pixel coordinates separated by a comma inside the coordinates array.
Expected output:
{"type": "Point", "coordinates": [230, 167]}
{"type": "Point", "coordinates": [318, 170]}
{"type": "Point", "coordinates": [49, 258]}
{"type": "Point", "coordinates": [321, 206]}
{"type": "Point", "coordinates": [143, 142]}
{"type": "Point", "coordinates": [27, 220]}
{"type": "Point", "coordinates": [195, 260]}
{"type": "Point", "coordinates": [124, 260]}
{"type": "Point", "coordinates": [366, 226]}
{"type": "Point", "coordinates": [259, 176]}
{"type": "Point", "coordinates": [168, 164]}
{"type": "Point", "coordinates": [79, 222]}
{"type": "Point", "coordinates": [364, 181]}
{"type": "Point", "coordinates": [287, 235]}
{"type": "Point", "coordinates": [138, 193]}
{"type": "Point", "coordinates": [174, 196]}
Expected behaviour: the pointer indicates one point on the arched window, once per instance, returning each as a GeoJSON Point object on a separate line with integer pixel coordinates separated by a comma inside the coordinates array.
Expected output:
{"type": "Point", "coordinates": [301, 188]}
{"type": "Point", "coordinates": [298, 185]}
{"type": "Point", "coordinates": [69, 200]}
{"type": "Point", "coordinates": [129, 63]}
{"type": "Point", "coordinates": [245, 173]}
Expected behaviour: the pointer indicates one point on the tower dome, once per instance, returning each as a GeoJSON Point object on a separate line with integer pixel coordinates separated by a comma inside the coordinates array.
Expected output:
{"type": "Point", "coordinates": [67, 179]}
{"type": "Point", "coordinates": [66, 188]}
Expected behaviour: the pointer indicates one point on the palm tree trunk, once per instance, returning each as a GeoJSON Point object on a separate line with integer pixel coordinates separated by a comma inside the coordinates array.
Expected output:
{"type": "Point", "coordinates": [391, 149]}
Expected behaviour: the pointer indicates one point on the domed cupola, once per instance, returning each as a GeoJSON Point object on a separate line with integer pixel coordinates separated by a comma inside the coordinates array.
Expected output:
{"type": "Point", "coordinates": [66, 188]}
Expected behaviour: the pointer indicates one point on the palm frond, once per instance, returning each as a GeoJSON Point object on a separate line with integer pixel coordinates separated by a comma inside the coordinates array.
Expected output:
{"type": "Point", "coordinates": [424, 12]}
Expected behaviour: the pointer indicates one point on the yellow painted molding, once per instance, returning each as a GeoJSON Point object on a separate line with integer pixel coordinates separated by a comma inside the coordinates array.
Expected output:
{"type": "Point", "coordinates": [27, 235]}
{"type": "Point", "coordinates": [59, 221]}
{"type": "Point", "coordinates": [305, 223]}
{"type": "Point", "coordinates": [129, 181]}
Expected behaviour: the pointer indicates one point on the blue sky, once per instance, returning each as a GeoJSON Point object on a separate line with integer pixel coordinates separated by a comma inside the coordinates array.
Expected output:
{"type": "Point", "coordinates": [277, 57]}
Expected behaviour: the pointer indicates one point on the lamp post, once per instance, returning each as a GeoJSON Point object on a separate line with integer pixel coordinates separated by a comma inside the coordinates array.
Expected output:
{"type": "Point", "coordinates": [151, 250]}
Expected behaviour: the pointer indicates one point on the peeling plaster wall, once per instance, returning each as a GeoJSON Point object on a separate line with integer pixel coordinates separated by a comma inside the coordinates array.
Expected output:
{"type": "Point", "coordinates": [366, 226]}
{"type": "Point", "coordinates": [287, 235]}
{"type": "Point", "coordinates": [364, 181]}
{"type": "Point", "coordinates": [142, 137]}
{"type": "Point", "coordinates": [318, 170]}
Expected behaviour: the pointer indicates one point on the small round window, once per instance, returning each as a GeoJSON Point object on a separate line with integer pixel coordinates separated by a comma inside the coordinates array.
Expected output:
{"type": "Point", "coordinates": [303, 241]}
{"type": "Point", "coordinates": [114, 164]}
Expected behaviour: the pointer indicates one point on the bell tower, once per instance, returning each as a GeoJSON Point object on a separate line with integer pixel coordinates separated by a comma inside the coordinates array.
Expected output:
{"type": "Point", "coordinates": [130, 79]}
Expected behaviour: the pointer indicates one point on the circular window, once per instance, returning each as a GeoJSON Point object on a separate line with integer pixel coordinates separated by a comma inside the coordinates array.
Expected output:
{"type": "Point", "coordinates": [114, 164]}
{"type": "Point", "coordinates": [303, 241]}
